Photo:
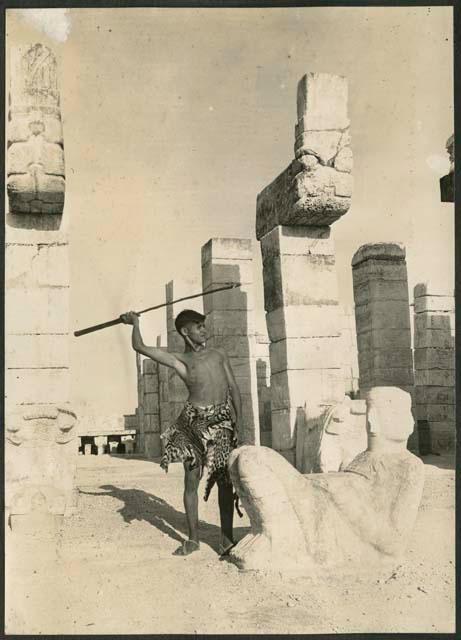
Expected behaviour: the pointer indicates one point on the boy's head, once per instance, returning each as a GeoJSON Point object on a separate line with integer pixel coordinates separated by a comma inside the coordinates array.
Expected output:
{"type": "Point", "coordinates": [192, 324]}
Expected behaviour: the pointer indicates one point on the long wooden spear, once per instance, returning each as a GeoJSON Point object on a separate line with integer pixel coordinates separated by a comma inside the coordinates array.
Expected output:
{"type": "Point", "coordinates": [111, 323]}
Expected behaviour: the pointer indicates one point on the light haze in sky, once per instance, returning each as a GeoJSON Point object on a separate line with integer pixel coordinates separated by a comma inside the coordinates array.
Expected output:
{"type": "Point", "coordinates": [175, 119]}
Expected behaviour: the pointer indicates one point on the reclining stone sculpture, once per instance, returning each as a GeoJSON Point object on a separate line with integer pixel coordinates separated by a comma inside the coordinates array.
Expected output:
{"type": "Point", "coordinates": [364, 514]}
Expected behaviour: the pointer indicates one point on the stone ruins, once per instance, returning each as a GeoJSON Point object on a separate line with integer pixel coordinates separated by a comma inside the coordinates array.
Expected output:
{"type": "Point", "coordinates": [319, 388]}
{"type": "Point", "coordinates": [41, 444]}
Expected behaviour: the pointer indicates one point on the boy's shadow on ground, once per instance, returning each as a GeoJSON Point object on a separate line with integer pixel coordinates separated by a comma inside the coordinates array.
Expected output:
{"type": "Point", "coordinates": [140, 505]}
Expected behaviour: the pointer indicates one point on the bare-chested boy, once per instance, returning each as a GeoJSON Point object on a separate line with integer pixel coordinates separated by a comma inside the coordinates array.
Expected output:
{"type": "Point", "coordinates": [205, 432]}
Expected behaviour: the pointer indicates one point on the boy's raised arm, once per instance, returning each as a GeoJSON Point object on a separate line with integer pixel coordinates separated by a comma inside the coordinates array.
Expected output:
{"type": "Point", "coordinates": [159, 355]}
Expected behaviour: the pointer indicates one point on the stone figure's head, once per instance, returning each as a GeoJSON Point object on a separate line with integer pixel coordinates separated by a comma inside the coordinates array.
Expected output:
{"type": "Point", "coordinates": [389, 418]}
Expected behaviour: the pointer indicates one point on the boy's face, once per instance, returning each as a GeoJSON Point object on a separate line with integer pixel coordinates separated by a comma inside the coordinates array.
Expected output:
{"type": "Point", "coordinates": [196, 331]}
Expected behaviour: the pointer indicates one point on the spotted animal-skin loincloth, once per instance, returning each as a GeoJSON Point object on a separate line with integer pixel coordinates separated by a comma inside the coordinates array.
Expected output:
{"type": "Point", "coordinates": [204, 437]}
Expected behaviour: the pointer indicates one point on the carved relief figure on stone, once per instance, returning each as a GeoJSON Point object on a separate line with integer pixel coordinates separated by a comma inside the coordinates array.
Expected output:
{"type": "Point", "coordinates": [35, 158]}
{"type": "Point", "coordinates": [363, 514]}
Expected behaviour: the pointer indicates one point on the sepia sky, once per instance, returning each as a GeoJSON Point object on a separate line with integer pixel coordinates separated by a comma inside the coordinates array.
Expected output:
{"type": "Point", "coordinates": [175, 119]}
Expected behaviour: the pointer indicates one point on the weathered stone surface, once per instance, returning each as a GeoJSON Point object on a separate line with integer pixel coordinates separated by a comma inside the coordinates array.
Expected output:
{"type": "Point", "coordinates": [152, 446]}
{"type": "Point", "coordinates": [151, 403]}
{"type": "Point", "coordinates": [295, 519]}
{"type": "Point", "coordinates": [377, 269]}
{"type": "Point", "coordinates": [228, 323]}
{"type": "Point", "coordinates": [302, 353]}
{"type": "Point", "coordinates": [434, 303]}
{"type": "Point", "coordinates": [439, 338]}
{"type": "Point", "coordinates": [398, 376]}
{"type": "Point", "coordinates": [35, 386]}
{"type": "Point", "coordinates": [384, 339]}
{"type": "Point", "coordinates": [36, 351]}
{"type": "Point", "coordinates": [434, 358]}
{"type": "Point", "coordinates": [227, 249]}
{"type": "Point", "coordinates": [434, 395]}
{"type": "Point", "coordinates": [386, 251]}
{"type": "Point", "coordinates": [297, 241]}
{"type": "Point", "coordinates": [309, 321]}
{"type": "Point", "coordinates": [392, 290]}
{"type": "Point", "coordinates": [435, 377]}
{"type": "Point", "coordinates": [240, 299]}
{"type": "Point", "coordinates": [436, 412]}
{"type": "Point", "coordinates": [386, 358]}
{"type": "Point", "coordinates": [322, 102]}
{"type": "Point", "coordinates": [37, 310]}
{"type": "Point", "coordinates": [323, 145]}
{"type": "Point", "coordinates": [283, 284]}
{"type": "Point", "coordinates": [152, 423]}
{"type": "Point", "coordinates": [149, 366]}
{"type": "Point", "coordinates": [432, 288]}
{"type": "Point", "coordinates": [39, 262]}
{"type": "Point", "coordinates": [295, 388]}
{"type": "Point", "coordinates": [316, 196]}
{"type": "Point", "coordinates": [219, 274]}
{"type": "Point", "coordinates": [382, 314]}
{"type": "Point", "coordinates": [40, 456]}
{"type": "Point", "coordinates": [441, 320]}
{"type": "Point", "coordinates": [35, 157]}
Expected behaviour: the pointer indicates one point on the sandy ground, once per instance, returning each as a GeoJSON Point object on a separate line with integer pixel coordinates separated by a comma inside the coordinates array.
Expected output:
{"type": "Point", "coordinates": [112, 571]}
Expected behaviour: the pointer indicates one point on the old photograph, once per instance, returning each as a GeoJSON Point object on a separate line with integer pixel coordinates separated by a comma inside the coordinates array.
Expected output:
{"type": "Point", "coordinates": [229, 320]}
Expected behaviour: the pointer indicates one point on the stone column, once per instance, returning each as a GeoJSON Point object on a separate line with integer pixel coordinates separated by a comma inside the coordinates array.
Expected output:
{"type": "Point", "coordinates": [178, 288]}
{"type": "Point", "coordinates": [348, 351]}
{"type": "Point", "coordinates": [229, 318]}
{"type": "Point", "coordinates": [263, 373]}
{"type": "Point", "coordinates": [41, 439]}
{"type": "Point", "coordinates": [434, 344]}
{"type": "Point", "coordinates": [151, 446]}
{"type": "Point", "coordinates": [293, 219]}
{"type": "Point", "coordinates": [382, 316]}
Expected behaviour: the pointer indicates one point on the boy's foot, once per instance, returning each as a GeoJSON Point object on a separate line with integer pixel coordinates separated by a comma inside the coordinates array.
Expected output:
{"type": "Point", "coordinates": [225, 546]}
{"type": "Point", "coordinates": [187, 547]}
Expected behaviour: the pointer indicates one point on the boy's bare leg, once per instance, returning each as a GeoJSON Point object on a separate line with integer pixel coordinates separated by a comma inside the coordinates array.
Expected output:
{"type": "Point", "coordinates": [226, 511]}
{"type": "Point", "coordinates": [191, 484]}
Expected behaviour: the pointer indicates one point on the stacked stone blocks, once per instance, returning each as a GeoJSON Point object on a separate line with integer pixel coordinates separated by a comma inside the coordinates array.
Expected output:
{"type": "Point", "coordinates": [434, 350]}
{"type": "Point", "coordinates": [229, 318]}
{"type": "Point", "coordinates": [382, 316]}
{"type": "Point", "coordinates": [293, 219]}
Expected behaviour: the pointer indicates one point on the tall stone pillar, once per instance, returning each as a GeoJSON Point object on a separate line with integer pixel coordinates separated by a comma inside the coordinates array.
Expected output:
{"type": "Point", "coordinates": [263, 372]}
{"type": "Point", "coordinates": [229, 319]}
{"type": "Point", "coordinates": [434, 344]}
{"type": "Point", "coordinates": [293, 219]}
{"type": "Point", "coordinates": [175, 289]}
{"type": "Point", "coordinates": [348, 352]}
{"type": "Point", "coordinates": [382, 316]}
{"type": "Point", "coordinates": [41, 444]}
{"type": "Point", "coordinates": [150, 427]}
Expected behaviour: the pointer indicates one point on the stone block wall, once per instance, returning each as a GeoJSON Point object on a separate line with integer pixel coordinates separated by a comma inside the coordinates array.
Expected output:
{"type": "Point", "coordinates": [434, 353]}
{"type": "Point", "coordinates": [229, 319]}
